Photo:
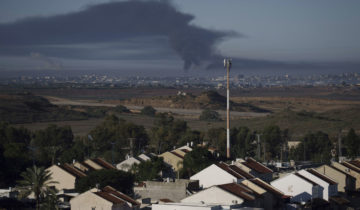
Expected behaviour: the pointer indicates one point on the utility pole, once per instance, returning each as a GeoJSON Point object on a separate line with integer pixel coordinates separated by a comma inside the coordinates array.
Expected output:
{"type": "Point", "coordinates": [227, 65]}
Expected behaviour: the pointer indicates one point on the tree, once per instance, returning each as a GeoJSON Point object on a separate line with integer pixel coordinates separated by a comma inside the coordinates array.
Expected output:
{"type": "Point", "coordinates": [148, 110]}
{"type": "Point", "coordinates": [122, 109]}
{"type": "Point", "coordinates": [195, 161]}
{"type": "Point", "coordinates": [14, 154]}
{"type": "Point", "coordinates": [315, 147]}
{"type": "Point", "coordinates": [51, 142]}
{"type": "Point", "coordinates": [167, 132]}
{"type": "Point", "coordinates": [217, 139]}
{"type": "Point", "coordinates": [242, 142]}
{"type": "Point", "coordinates": [352, 143]}
{"type": "Point", "coordinates": [149, 170]}
{"type": "Point", "coordinates": [209, 115]}
{"type": "Point", "coordinates": [120, 180]}
{"type": "Point", "coordinates": [115, 132]}
{"type": "Point", "coordinates": [36, 180]}
{"type": "Point", "coordinates": [273, 141]}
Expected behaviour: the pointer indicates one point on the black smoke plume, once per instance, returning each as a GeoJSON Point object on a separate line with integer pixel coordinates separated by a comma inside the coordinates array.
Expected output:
{"type": "Point", "coordinates": [111, 23]}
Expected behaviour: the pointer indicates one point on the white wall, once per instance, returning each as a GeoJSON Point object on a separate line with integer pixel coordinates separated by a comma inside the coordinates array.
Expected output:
{"type": "Point", "coordinates": [213, 195]}
{"type": "Point", "coordinates": [181, 206]}
{"type": "Point", "coordinates": [292, 185]}
{"type": "Point", "coordinates": [87, 200]}
{"type": "Point", "coordinates": [63, 178]}
{"type": "Point", "coordinates": [322, 183]}
{"type": "Point", "coordinates": [213, 175]}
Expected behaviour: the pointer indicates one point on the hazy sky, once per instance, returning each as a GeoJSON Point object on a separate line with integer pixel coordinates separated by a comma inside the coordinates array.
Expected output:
{"type": "Point", "coordinates": [260, 33]}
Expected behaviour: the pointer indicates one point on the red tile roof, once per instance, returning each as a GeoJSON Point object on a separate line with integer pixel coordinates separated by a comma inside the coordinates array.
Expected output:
{"type": "Point", "coordinates": [355, 163]}
{"type": "Point", "coordinates": [268, 187]}
{"type": "Point", "coordinates": [120, 195]}
{"type": "Point", "coordinates": [321, 176]}
{"type": "Point", "coordinates": [226, 168]}
{"type": "Point", "coordinates": [103, 163]}
{"type": "Point", "coordinates": [72, 170]}
{"type": "Point", "coordinates": [306, 179]}
{"type": "Point", "coordinates": [241, 172]}
{"type": "Point", "coordinates": [258, 167]}
{"type": "Point", "coordinates": [166, 200]}
{"type": "Point", "coordinates": [177, 154]}
{"type": "Point", "coordinates": [352, 167]}
{"type": "Point", "coordinates": [238, 190]}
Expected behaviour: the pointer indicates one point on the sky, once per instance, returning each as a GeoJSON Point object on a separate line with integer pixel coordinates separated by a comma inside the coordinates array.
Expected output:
{"type": "Point", "coordinates": [180, 36]}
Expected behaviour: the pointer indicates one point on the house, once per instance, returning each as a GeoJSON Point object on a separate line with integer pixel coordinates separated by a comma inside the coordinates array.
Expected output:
{"type": "Point", "coordinates": [173, 159]}
{"type": "Point", "coordinates": [350, 169]}
{"type": "Point", "coordinates": [272, 197]}
{"type": "Point", "coordinates": [65, 175]}
{"type": "Point", "coordinates": [225, 194]}
{"type": "Point", "coordinates": [299, 187]}
{"type": "Point", "coordinates": [255, 168]}
{"type": "Point", "coordinates": [345, 181]}
{"type": "Point", "coordinates": [144, 157]}
{"type": "Point", "coordinates": [329, 186]}
{"type": "Point", "coordinates": [106, 199]}
{"type": "Point", "coordinates": [220, 173]}
{"type": "Point", "coordinates": [128, 163]}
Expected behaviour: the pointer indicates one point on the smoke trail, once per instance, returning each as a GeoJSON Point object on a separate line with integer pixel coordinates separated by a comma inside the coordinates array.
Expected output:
{"type": "Point", "coordinates": [111, 23]}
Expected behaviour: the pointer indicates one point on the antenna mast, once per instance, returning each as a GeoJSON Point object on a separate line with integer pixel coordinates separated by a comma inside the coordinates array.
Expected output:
{"type": "Point", "coordinates": [227, 65]}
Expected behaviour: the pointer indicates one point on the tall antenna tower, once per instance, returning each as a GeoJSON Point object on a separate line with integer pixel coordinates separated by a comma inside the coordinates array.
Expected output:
{"type": "Point", "coordinates": [227, 65]}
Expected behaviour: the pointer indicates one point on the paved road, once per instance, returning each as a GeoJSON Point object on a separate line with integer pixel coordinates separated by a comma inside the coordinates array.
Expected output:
{"type": "Point", "coordinates": [63, 101]}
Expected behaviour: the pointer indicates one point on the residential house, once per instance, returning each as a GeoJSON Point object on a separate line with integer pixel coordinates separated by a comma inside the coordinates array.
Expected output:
{"type": "Point", "coordinates": [272, 197]}
{"type": "Point", "coordinates": [226, 194]}
{"type": "Point", "coordinates": [329, 185]}
{"type": "Point", "coordinates": [350, 169]}
{"type": "Point", "coordinates": [255, 168]}
{"type": "Point", "coordinates": [345, 181]}
{"type": "Point", "coordinates": [300, 188]}
{"type": "Point", "coordinates": [220, 173]}
{"type": "Point", "coordinates": [65, 175]}
{"type": "Point", "coordinates": [128, 163]}
{"type": "Point", "coordinates": [106, 199]}
{"type": "Point", "coordinates": [173, 159]}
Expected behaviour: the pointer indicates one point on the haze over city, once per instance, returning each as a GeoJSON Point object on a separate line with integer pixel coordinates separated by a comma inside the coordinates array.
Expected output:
{"type": "Point", "coordinates": [179, 37]}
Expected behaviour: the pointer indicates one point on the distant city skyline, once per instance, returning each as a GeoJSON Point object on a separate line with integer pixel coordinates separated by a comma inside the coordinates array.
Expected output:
{"type": "Point", "coordinates": [261, 36]}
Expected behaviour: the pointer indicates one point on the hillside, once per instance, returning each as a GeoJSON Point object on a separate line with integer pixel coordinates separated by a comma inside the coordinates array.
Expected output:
{"type": "Point", "coordinates": [26, 108]}
{"type": "Point", "coordinates": [206, 100]}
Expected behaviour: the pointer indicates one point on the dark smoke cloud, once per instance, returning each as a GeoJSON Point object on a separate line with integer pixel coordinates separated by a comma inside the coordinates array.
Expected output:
{"type": "Point", "coordinates": [111, 23]}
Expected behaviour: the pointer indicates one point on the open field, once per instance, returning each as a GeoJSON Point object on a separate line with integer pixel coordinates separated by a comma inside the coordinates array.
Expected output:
{"type": "Point", "coordinates": [300, 109]}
